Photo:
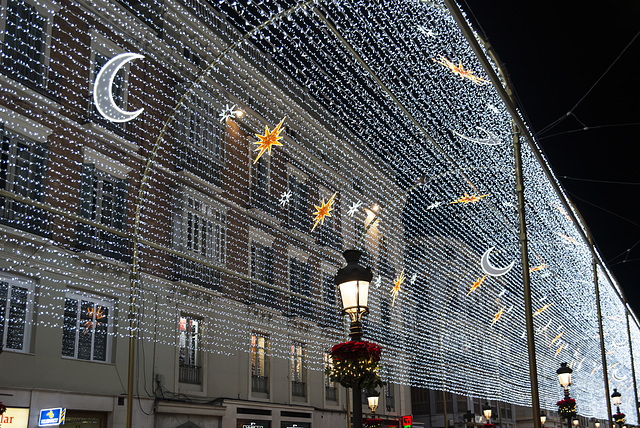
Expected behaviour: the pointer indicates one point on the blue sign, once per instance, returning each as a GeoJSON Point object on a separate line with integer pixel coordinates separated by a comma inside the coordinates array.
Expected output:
{"type": "Point", "coordinates": [51, 417]}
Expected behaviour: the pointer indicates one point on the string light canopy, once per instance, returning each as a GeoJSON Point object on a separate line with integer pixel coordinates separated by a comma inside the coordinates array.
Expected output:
{"type": "Point", "coordinates": [379, 97]}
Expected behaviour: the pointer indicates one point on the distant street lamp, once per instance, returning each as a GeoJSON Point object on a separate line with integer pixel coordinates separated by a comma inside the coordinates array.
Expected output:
{"type": "Point", "coordinates": [597, 424]}
{"type": "Point", "coordinates": [373, 398]}
{"type": "Point", "coordinates": [353, 283]}
{"type": "Point", "coordinates": [486, 411]}
{"type": "Point", "coordinates": [543, 418]}
{"type": "Point", "coordinates": [616, 399]}
{"type": "Point", "coordinates": [576, 422]}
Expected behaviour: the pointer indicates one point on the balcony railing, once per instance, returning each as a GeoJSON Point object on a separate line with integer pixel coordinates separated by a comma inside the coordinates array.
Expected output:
{"type": "Point", "coordinates": [196, 273]}
{"type": "Point", "coordinates": [298, 389]}
{"type": "Point", "coordinates": [259, 384]}
{"type": "Point", "coordinates": [25, 217]}
{"type": "Point", "coordinates": [190, 374]}
{"type": "Point", "coordinates": [331, 393]}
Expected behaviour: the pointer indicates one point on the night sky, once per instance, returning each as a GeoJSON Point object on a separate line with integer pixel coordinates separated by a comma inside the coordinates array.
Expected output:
{"type": "Point", "coordinates": [567, 56]}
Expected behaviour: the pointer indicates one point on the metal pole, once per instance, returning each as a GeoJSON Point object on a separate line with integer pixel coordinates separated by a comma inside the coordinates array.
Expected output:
{"type": "Point", "coordinates": [132, 339]}
{"type": "Point", "coordinates": [524, 251]}
{"type": "Point", "coordinates": [601, 332]}
{"type": "Point", "coordinates": [356, 336]}
{"type": "Point", "coordinates": [348, 410]}
{"type": "Point", "coordinates": [444, 405]}
{"type": "Point", "coordinates": [633, 366]}
{"type": "Point", "coordinates": [499, 413]}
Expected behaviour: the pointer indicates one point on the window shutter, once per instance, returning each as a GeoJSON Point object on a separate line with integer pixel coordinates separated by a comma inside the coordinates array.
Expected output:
{"type": "Point", "coordinates": [85, 232]}
{"type": "Point", "coordinates": [40, 152]}
{"type": "Point", "coordinates": [122, 187]}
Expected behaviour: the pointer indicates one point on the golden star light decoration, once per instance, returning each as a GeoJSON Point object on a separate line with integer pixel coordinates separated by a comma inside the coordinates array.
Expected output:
{"type": "Point", "coordinates": [396, 288]}
{"type": "Point", "coordinates": [477, 284]}
{"type": "Point", "coordinates": [469, 199]}
{"type": "Point", "coordinates": [270, 138]}
{"type": "Point", "coordinates": [460, 71]}
{"type": "Point", "coordinates": [322, 211]}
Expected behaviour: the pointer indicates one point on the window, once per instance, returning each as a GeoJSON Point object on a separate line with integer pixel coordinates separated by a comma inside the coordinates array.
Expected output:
{"type": "Point", "coordinates": [330, 315]}
{"type": "Point", "coordinates": [389, 396]}
{"type": "Point", "coordinates": [298, 203]}
{"type": "Point", "coordinates": [23, 170]}
{"type": "Point", "coordinates": [300, 283]}
{"type": "Point", "coordinates": [16, 305]}
{"type": "Point", "coordinates": [262, 269]}
{"type": "Point", "coordinates": [200, 230]}
{"type": "Point", "coordinates": [23, 50]}
{"type": "Point", "coordinates": [86, 329]}
{"type": "Point", "coordinates": [201, 136]}
{"type": "Point", "coordinates": [298, 370]}
{"type": "Point", "coordinates": [103, 199]}
{"type": "Point", "coordinates": [330, 387]}
{"type": "Point", "coordinates": [260, 185]}
{"type": "Point", "coordinates": [259, 363]}
{"type": "Point", "coordinates": [384, 263]}
{"type": "Point", "coordinates": [189, 343]}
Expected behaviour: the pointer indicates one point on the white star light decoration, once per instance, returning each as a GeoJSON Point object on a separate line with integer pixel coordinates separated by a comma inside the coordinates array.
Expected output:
{"type": "Point", "coordinates": [229, 113]}
{"type": "Point", "coordinates": [354, 208]}
{"type": "Point", "coordinates": [427, 31]}
{"type": "Point", "coordinates": [285, 198]}
{"type": "Point", "coordinates": [434, 205]}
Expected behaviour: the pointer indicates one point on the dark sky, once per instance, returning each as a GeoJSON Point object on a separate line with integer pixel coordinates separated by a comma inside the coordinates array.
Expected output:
{"type": "Point", "coordinates": [567, 56]}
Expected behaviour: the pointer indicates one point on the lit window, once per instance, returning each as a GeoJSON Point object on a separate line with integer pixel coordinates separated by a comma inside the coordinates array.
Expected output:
{"type": "Point", "coordinates": [259, 363]}
{"type": "Point", "coordinates": [189, 344]}
{"type": "Point", "coordinates": [298, 370]}
{"type": "Point", "coordinates": [86, 330]}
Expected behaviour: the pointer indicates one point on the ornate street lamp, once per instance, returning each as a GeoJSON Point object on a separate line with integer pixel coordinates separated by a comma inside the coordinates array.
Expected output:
{"type": "Point", "coordinates": [616, 399]}
{"type": "Point", "coordinates": [353, 283]}
{"type": "Point", "coordinates": [564, 375]}
{"type": "Point", "coordinates": [486, 411]}
{"type": "Point", "coordinates": [373, 398]}
{"type": "Point", "coordinates": [576, 422]}
{"type": "Point", "coordinates": [543, 418]}
{"type": "Point", "coordinates": [597, 424]}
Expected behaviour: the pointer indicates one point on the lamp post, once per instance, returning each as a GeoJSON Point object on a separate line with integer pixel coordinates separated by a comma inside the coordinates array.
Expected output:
{"type": "Point", "coordinates": [616, 399]}
{"type": "Point", "coordinates": [576, 422]}
{"type": "Point", "coordinates": [373, 398]}
{"type": "Point", "coordinates": [597, 424]}
{"type": "Point", "coordinates": [353, 283]}
{"type": "Point", "coordinates": [543, 418]}
{"type": "Point", "coordinates": [564, 376]}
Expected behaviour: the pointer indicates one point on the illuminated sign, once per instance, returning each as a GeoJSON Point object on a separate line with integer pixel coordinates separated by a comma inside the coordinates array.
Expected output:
{"type": "Point", "coordinates": [15, 417]}
{"type": "Point", "coordinates": [51, 417]}
{"type": "Point", "coordinates": [406, 422]}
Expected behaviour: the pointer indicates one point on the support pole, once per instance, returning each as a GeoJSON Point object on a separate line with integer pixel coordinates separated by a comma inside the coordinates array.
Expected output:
{"type": "Point", "coordinates": [524, 251]}
{"type": "Point", "coordinates": [444, 406]}
{"type": "Point", "coordinates": [603, 352]}
{"type": "Point", "coordinates": [348, 409]}
{"type": "Point", "coordinates": [633, 366]}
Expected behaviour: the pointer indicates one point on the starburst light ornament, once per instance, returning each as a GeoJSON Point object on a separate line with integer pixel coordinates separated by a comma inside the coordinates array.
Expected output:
{"type": "Point", "coordinates": [285, 198]}
{"type": "Point", "coordinates": [396, 288]}
{"type": "Point", "coordinates": [469, 199]}
{"type": "Point", "coordinates": [322, 211]}
{"type": "Point", "coordinates": [91, 323]}
{"type": "Point", "coordinates": [460, 71]}
{"type": "Point", "coordinates": [434, 205]}
{"type": "Point", "coordinates": [477, 284]}
{"type": "Point", "coordinates": [229, 113]}
{"type": "Point", "coordinates": [354, 208]}
{"type": "Point", "coordinates": [270, 138]}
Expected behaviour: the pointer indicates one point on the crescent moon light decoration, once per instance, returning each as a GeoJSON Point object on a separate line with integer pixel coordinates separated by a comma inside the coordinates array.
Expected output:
{"type": "Point", "coordinates": [103, 89]}
{"type": "Point", "coordinates": [489, 269]}
{"type": "Point", "coordinates": [493, 139]}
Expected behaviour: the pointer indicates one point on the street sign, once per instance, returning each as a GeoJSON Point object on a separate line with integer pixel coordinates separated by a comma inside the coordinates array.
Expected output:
{"type": "Point", "coordinates": [52, 417]}
{"type": "Point", "coordinates": [406, 422]}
